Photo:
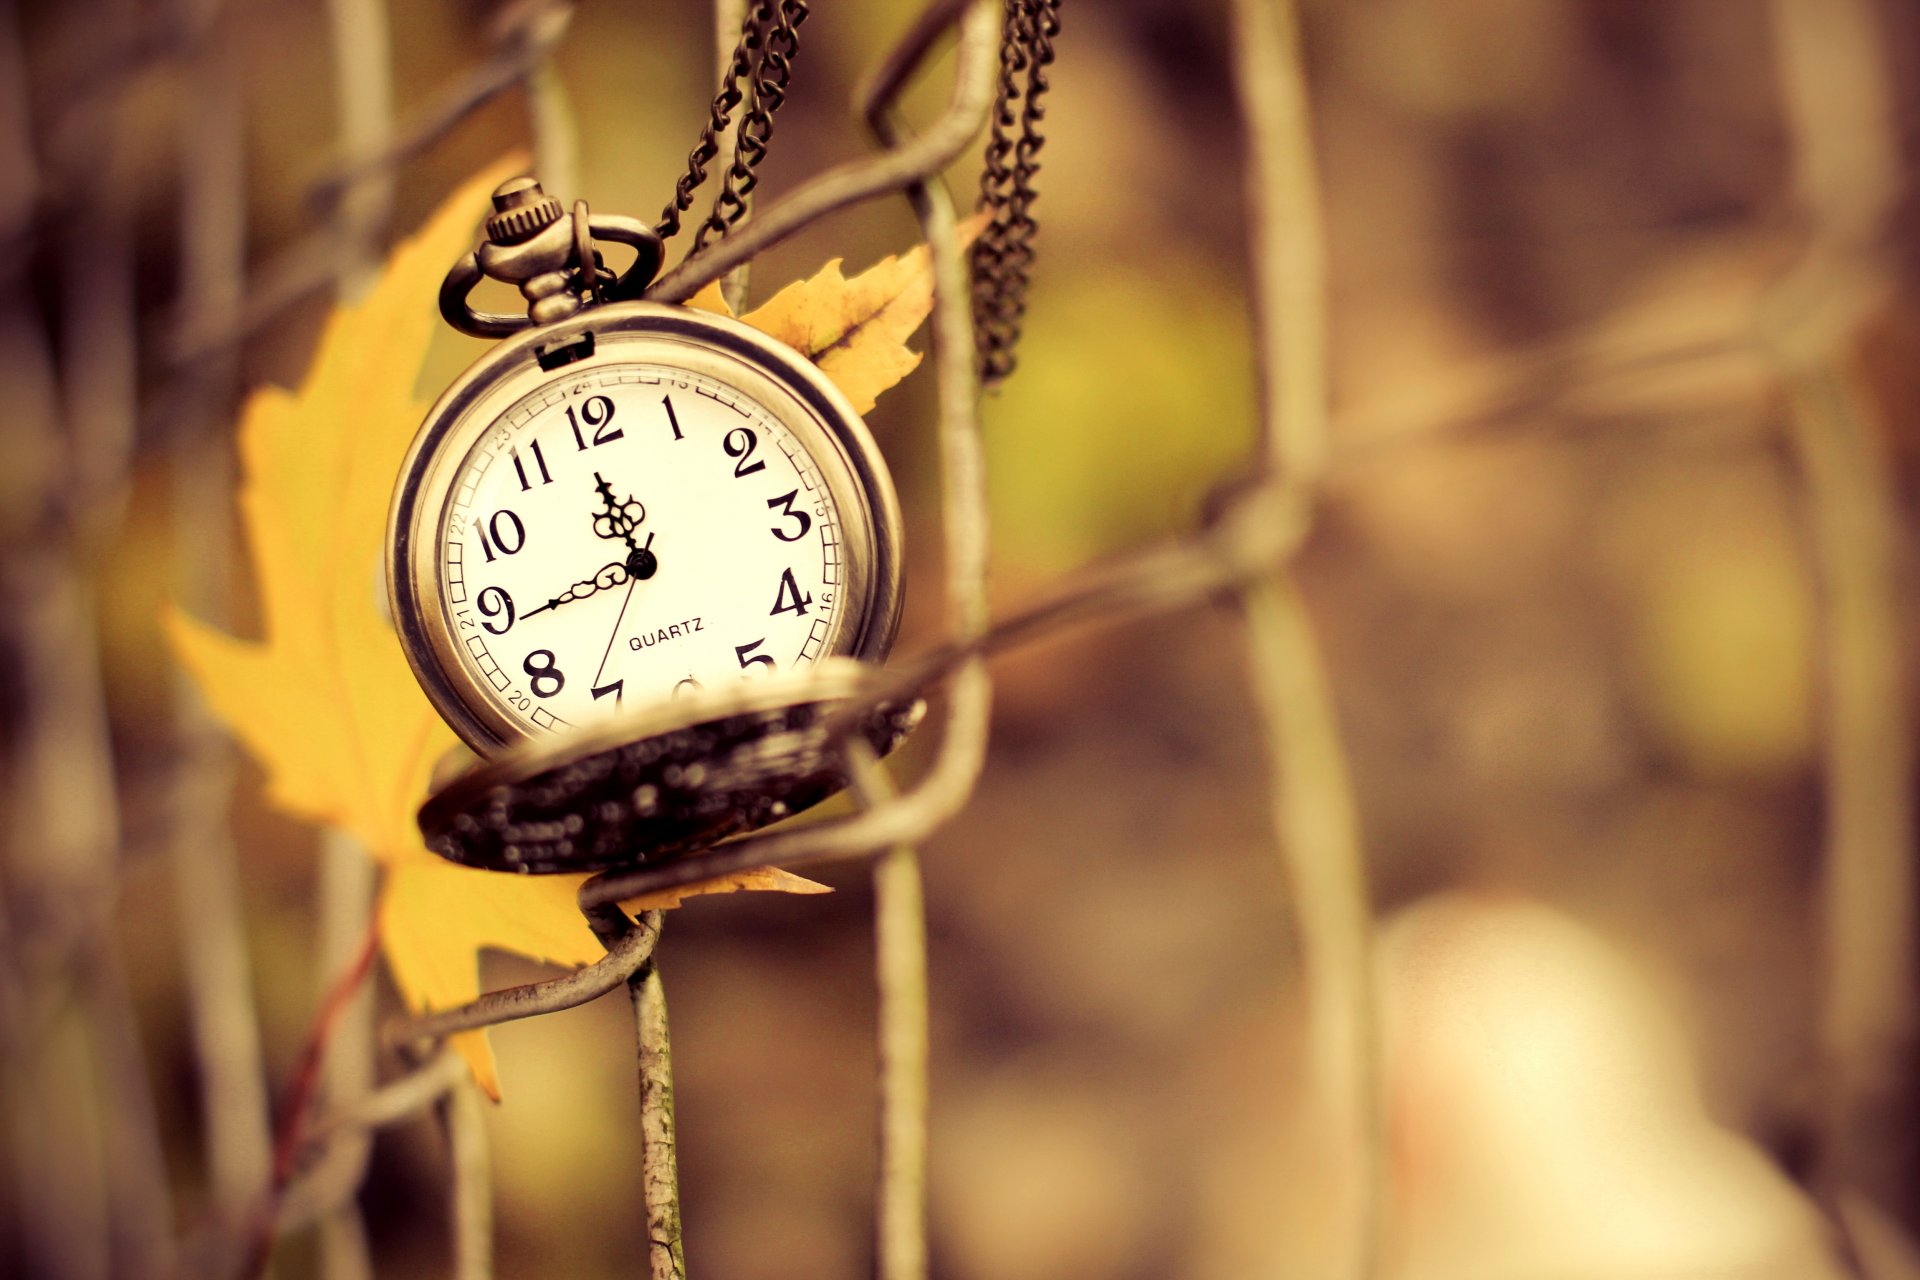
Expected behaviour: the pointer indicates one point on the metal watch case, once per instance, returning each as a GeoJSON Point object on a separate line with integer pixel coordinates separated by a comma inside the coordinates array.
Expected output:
{"type": "Point", "coordinates": [789, 386]}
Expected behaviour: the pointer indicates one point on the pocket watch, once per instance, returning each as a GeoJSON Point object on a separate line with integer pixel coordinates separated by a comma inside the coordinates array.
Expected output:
{"type": "Point", "coordinates": [625, 502]}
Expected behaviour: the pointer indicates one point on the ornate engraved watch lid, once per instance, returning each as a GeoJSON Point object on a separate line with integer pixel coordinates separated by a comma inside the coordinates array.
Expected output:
{"type": "Point", "coordinates": [662, 781]}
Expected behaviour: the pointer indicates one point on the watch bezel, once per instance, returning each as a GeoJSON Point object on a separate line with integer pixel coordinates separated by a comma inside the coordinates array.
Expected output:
{"type": "Point", "coordinates": [790, 387]}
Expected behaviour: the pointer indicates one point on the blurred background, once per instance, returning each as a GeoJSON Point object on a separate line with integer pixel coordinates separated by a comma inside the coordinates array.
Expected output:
{"type": "Point", "coordinates": [1610, 572]}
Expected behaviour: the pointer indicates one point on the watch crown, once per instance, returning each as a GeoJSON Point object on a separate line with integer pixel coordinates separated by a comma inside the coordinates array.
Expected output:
{"type": "Point", "coordinates": [521, 210]}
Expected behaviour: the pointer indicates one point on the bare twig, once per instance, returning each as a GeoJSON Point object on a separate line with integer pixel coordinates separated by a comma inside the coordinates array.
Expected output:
{"type": "Point", "coordinates": [343, 1036]}
{"type": "Point", "coordinates": [900, 977]}
{"type": "Point", "coordinates": [659, 1158]}
{"type": "Point", "coordinates": [1867, 1025]}
{"type": "Point", "coordinates": [233, 1098]}
{"type": "Point", "coordinates": [625, 954]}
{"type": "Point", "coordinates": [523, 40]}
{"type": "Point", "coordinates": [556, 139]}
{"type": "Point", "coordinates": [1313, 810]}
{"type": "Point", "coordinates": [333, 251]}
{"type": "Point", "coordinates": [59, 873]}
{"type": "Point", "coordinates": [87, 1170]}
{"type": "Point", "coordinates": [99, 360]}
{"type": "Point", "coordinates": [471, 1208]}
{"type": "Point", "coordinates": [659, 1155]}
{"type": "Point", "coordinates": [311, 1067]}
{"type": "Point", "coordinates": [1835, 86]}
{"type": "Point", "coordinates": [401, 1099]}
{"type": "Point", "coordinates": [284, 1203]}
{"type": "Point", "coordinates": [363, 99]}
{"type": "Point", "coordinates": [1288, 245]}
{"type": "Point", "coordinates": [1318, 833]}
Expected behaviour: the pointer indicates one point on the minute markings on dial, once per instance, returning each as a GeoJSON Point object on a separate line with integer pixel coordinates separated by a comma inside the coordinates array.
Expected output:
{"type": "Point", "coordinates": [744, 497]}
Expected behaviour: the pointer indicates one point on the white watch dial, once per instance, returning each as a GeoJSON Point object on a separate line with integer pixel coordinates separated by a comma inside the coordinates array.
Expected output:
{"type": "Point", "coordinates": [630, 533]}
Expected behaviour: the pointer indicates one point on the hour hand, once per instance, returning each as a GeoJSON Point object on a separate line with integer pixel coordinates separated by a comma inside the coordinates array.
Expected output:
{"type": "Point", "coordinates": [610, 576]}
{"type": "Point", "coordinates": [619, 518]}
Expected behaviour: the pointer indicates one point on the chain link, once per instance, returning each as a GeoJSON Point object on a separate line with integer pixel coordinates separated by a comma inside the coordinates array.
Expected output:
{"type": "Point", "coordinates": [757, 79]}
{"type": "Point", "coordinates": [1003, 253]}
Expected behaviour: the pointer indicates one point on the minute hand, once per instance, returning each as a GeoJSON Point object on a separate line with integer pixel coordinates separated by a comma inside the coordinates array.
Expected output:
{"type": "Point", "coordinates": [610, 576]}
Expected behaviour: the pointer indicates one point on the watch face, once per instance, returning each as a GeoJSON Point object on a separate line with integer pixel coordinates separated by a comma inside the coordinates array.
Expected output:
{"type": "Point", "coordinates": [628, 529]}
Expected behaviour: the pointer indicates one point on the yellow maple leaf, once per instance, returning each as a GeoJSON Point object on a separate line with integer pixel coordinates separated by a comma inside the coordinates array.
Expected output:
{"type": "Point", "coordinates": [326, 701]}
{"type": "Point", "coordinates": [855, 330]}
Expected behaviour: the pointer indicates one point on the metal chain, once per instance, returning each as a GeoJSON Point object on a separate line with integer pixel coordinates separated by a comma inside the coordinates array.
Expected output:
{"type": "Point", "coordinates": [1003, 253]}
{"type": "Point", "coordinates": [1002, 256]}
{"type": "Point", "coordinates": [757, 77]}
{"type": "Point", "coordinates": [719, 117]}
{"type": "Point", "coordinates": [766, 90]}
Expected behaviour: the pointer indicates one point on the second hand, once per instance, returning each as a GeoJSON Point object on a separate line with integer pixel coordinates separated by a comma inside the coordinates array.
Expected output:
{"type": "Point", "coordinates": [631, 584]}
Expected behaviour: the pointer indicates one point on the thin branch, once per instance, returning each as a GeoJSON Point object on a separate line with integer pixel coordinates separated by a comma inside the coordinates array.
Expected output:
{"type": "Point", "coordinates": [363, 99]}
{"type": "Point", "coordinates": [1288, 250]}
{"type": "Point", "coordinates": [284, 1203]}
{"type": "Point", "coordinates": [311, 1066]}
{"type": "Point", "coordinates": [1318, 833]}
{"type": "Point", "coordinates": [56, 858]}
{"type": "Point", "coordinates": [900, 977]}
{"type": "Point", "coordinates": [345, 1251]}
{"type": "Point", "coordinates": [556, 135]}
{"type": "Point", "coordinates": [233, 1086]}
{"type": "Point", "coordinates": [524, 39]}
{"type": "Point", "coordinates": [625, 955]}
{"type": "Point", "coordinates": [900, 932]}
{"type": "Point", "coordinates": [1867, 1029]}
{"type": "Point", "coordinates": [87, 1166]}
{"type": "Point", "coordinates": [1314, 817]}
{"type": "Point", "coordinates": [99, 359]}
{"type": "Point", "coordinates": [1840, 113]}
{"type": "Point", "coordinates": [54, 765]}
{"type": "Point", "coordinates": [399, 1100]}
{"type": "Point", "coordinates": [330, 252]}
{"type": "Point", "coordinates": [659, 1153]}
{"type": "Point", "coordinates": [659, 1147]}
{"type": "Point", "coordinates": [470, 1207]}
